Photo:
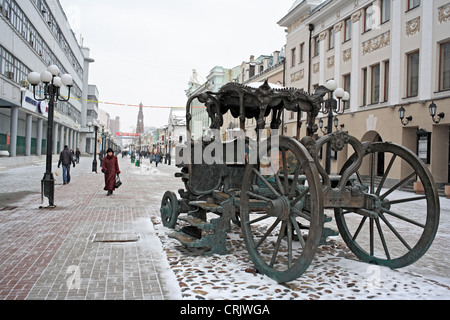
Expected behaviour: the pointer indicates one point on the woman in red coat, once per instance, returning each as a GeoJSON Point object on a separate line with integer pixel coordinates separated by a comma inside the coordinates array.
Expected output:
{"type": "Point", "coordinates": [110, 168]}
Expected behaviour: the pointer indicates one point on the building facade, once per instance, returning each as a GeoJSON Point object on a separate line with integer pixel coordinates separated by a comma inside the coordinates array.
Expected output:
{"type": "Point", "coordinates": [35, 34]}
{"type": "Point", "coordinates": [217, 77]}
{"type": "Point", "coordinates": [388, 54]}
{"type": "Point", "coordinates": [265, 67]}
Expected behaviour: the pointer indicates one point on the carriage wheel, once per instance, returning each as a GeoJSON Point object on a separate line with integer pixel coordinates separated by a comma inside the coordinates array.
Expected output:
{"type": "Point", "coordinates": [169, 210]}
{"type": "Point", "coordinates": [283, 232]}
{"type": "Point", "coordinates": [402, 226]}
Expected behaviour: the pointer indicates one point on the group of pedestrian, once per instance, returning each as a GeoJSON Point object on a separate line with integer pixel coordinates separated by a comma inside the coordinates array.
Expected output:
{"type": "Point", "coordinates": [109, 163]}
{"type": "Point", "coordinates": [158, 157]}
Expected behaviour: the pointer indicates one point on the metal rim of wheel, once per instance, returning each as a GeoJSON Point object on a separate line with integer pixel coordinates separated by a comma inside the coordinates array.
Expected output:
{"type": "Point", "coordinates": [169, 210]}
{"type": "Point", "coordinates": [390, 235]}
{"type": "Point", "coordinates": [270, 231]}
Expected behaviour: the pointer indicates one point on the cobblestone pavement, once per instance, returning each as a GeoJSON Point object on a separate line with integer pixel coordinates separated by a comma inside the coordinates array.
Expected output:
{"type": "Point", "coordinates": [89, 247]}
{"type": "Point", "coordinates": [96, 247]}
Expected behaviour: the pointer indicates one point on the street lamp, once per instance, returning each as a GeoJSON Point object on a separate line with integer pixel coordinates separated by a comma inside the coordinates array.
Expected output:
{"type": "Point", "coordinates": [401, 115]}
{"type": "Point", "coordinates": [329, 107]}
{"type": "Point", "coordinates": [52, 86]}
{"type": "Point", "coordinates": [94, 162]}
{"type": "Point", "coordinates": [433, 109]}
{"type": "Point", "coordinates": [103, 139]}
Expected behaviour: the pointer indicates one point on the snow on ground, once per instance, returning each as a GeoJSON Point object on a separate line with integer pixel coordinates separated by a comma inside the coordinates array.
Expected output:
{"type": "Point", "coordinates": [334, 273]}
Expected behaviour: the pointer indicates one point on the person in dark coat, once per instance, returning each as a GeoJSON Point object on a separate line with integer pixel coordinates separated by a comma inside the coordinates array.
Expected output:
{"type": "Point", "coordinates": [66, 158]}
{"type": "Point", "coordinates": [77, 155]}
{"type": "Point", "coordinates": [110, 168]}
{"type": "Point", "coordinates": [157, 158]}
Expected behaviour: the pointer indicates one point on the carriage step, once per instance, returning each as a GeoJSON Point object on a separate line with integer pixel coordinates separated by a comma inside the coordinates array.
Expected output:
{"type": "Point", "coordinates": [210, 207]}
{"type": "Point", "coordinates": [221, 196]}
{"type": "Point", "coordinates": [185, 239]}
{"type": "Point", "coordinates": [215, 242]}
{"type": "Point", "coordinates": [197, 222]}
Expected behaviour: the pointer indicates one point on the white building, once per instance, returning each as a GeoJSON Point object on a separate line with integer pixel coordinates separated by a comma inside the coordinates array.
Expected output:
{"type": "Point", "coordinates": [35, 34]}
{"type": "Point", "coordinates": [388, 54]}
{"type": "Point", "coordinates": [176, 130]}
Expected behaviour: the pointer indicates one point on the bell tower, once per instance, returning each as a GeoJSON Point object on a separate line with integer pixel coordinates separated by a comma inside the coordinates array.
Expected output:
{"type": "Point", "coordinates": [140, 120]}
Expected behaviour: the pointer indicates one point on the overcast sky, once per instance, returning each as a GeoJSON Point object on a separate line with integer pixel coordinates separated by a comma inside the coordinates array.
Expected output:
{"type": "Point", "coordinates": [145, 50]}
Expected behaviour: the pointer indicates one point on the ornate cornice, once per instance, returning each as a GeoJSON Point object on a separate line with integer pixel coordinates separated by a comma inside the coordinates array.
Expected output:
{"type": "Point", "coordinates": [444, 13]}
{"type": "Point", "coordinates": [347, 55]}
{"type": "Point", "coordinates": [330, 62]}
{"type": "Point", "coordinates": [338, 26]}
{"type": "Point", "coordinates": [316, 67]}
{"type": "Point", "coordinates": [297, 76]}
{"type": "Point", "coordinates": [412, 27]}
{"type": "Point", "coordinates": [376, 43]}
{"type": "Point", "coordinates": [356, 16]}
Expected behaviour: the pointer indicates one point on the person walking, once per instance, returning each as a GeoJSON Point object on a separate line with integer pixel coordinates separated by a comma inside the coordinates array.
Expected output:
{"type": "Point", "coordinates": [157, 158]}
{"type": "Point", "coordinates": [110, 168]}
{"type": "Point", "coordinates": [77, 155]}
{"type": "Point", "coordinates": [152, 157]}
{"type": "Point", "coordinates": [66, 158]}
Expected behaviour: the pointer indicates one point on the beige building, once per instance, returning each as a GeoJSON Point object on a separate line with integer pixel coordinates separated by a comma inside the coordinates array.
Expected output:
{"type": "Point", "coordinates": [388, 55]}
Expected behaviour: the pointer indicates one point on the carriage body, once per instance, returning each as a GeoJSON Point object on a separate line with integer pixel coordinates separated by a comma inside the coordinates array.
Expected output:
{"type": "Point", "coordinates": [277, 191]}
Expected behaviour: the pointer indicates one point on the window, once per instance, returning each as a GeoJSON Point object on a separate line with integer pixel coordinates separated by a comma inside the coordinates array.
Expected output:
{"type": "Point", "coordinates": [347, 87]}
{"type": "Point", "coordinates": [444, 68]}
{"type": "Point", "coordinates": [316, 43]}
{"type": "Point", "coordinates": [385, 10]}
{"type": "Point", "coordinates": [331, 38]}
{"type": "Point", "coordinates": [302, 52]}
{"type": "Point", "coordinates": [293, 59]}
{"type": "Point", "coordinates": [251, 72]}
{"type": "Point", "coordinates": [368, 18]}
{"type": "Point", "coordinates": [375, 84]}
{"type": "Point", "coordinates": [413, 3]}
{"type": "Point", "coordinates": [412, 77]}
{"type": "Point", "coordinates": [364, 86]}
{"type": "Point", "coordinates": [386, 81]}
{"type": "Point", "coordinates": [348, 29]}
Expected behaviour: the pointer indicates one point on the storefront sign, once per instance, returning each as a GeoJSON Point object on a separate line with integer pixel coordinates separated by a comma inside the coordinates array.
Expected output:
{"type": "Point", "coordinates": [29, 103]}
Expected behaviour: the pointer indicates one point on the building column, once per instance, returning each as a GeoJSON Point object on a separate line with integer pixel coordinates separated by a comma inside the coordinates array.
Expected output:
{"type": "Point", "coordinates": [77, 139]}
{"type": "Point", "coordinates": [356, 72]}
{"type": "Point", "coordinates": [322, 63]}
{"type": "Point", "coordinates": [61, 139]}
{"type": "Point", "coordinates": [395, 91]}
{"type": "Point", "coordinates": [28, 133]}
{"type": "Point", "coordinates": [40, 125]}
{"type": "Point", "coordinates": [13, 133]}
{"type": "Point", "coordinates": [338, 54]}
{"type": "Point", "coordinates": [55, 138]}
{"type": "Point", "coordinates": [72, 142]}
{"type": "Point", "coordinates": [66, 135]}
{"type": "Point", "coordinates": [426, 52]}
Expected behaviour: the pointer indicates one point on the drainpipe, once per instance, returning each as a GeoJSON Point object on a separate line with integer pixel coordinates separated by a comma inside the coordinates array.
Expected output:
{"type": "Point", "coordinates": [299, 114]}
{"type": "Point", "coordinates": [311, 29]}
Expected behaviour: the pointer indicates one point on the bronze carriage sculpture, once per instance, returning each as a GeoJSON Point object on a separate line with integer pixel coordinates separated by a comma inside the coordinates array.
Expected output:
{"type": "Point", "coordinates": [276, 189]}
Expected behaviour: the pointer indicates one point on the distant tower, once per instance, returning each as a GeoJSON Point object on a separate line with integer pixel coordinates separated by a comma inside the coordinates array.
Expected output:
{"type": "Point", "coordinates": [140, 121]}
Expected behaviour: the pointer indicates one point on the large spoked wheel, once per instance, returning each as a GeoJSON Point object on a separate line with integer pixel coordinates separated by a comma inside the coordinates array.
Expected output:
{"type": "Point", "coordinates": [170, 209]}
{"type": "Point", "coordinates": [400, 227]}
{"type": "Point", "coordinates": [281, 209]}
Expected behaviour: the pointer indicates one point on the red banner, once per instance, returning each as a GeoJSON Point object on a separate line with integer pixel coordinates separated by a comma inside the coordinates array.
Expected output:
{"type": "Point", "coordinates": [126, 134]}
